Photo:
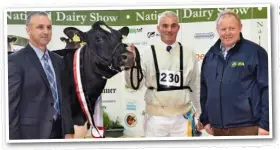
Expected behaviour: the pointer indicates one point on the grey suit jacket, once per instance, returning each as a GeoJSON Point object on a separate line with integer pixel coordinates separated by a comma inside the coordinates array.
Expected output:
{"type": "Point", "coordinates": [30, 100]}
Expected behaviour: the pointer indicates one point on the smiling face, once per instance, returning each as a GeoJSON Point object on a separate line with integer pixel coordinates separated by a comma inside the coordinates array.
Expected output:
{"type": "Point", "coordinates": [168, 28]}
{"type": "Point", "coordinates": [229, 29]}
{"type": "Point", "coordinates": [40, 31]}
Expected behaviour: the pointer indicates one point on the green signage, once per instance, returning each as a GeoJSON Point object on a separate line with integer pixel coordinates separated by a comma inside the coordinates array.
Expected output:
{"type": "Point", "coordinates": [137, 16]}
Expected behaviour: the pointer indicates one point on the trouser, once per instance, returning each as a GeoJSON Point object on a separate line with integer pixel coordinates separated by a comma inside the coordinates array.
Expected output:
{"type": "Point", "coordinates": [166, 126]}
{"type": "Point", "coordinates": [238, 131]}
{"type": "Point", "coordinates": [56, 132]}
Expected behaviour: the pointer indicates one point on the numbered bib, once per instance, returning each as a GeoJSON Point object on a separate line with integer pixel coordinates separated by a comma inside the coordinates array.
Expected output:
{"type": "Point", "coordinates": [170, 78]}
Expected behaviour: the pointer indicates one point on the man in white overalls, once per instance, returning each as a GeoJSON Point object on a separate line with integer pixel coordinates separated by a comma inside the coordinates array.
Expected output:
{"type": "Point", "coordinates": [170, 75]}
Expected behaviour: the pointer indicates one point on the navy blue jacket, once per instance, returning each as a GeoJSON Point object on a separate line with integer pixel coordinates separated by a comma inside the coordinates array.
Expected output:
{"type": "Point", "coordinates": [234, 91]}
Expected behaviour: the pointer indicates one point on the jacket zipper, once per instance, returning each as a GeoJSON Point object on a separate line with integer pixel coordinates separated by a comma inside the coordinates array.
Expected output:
{"type": "Point", "coordinates": [224, 64]}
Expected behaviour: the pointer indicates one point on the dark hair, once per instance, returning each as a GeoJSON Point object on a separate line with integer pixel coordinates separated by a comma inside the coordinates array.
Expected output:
{"type": "Point", "coordinates": [40, 13]}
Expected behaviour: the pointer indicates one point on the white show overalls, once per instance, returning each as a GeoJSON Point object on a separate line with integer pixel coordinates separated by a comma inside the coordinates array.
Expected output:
{"type": "Point", "coordinates": [173, 125]}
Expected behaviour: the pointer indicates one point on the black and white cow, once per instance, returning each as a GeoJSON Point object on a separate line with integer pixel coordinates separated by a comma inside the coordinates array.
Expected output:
{"type": "Point", "coordinates": [88, 68]}
{"type": "Point", "coordinates": [10, 41]}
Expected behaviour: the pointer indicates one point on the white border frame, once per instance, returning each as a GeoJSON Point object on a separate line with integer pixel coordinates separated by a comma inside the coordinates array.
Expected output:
{"type": "Point", "coordinates": [204, 5]}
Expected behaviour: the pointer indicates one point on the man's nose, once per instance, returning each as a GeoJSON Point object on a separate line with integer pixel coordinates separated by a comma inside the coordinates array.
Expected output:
{"type": "Point", "coordinates": [168, 29]}
{"type": "Point", "coordinates": [46, 30]}
{"type": "Point", "coordinates": [228, 31]}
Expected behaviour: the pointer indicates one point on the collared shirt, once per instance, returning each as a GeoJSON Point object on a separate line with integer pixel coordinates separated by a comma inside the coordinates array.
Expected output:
{"type": "Point", "coordinates": [40, 55]}
{"type": "Point", "coordinates": [225, 50]}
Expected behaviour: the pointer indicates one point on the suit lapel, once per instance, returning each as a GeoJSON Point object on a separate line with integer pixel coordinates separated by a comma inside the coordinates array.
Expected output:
{"type": "Point", "coordinates": [33, 58]}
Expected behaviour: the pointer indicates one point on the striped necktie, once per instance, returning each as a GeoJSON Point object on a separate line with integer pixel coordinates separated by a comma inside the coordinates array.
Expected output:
{"type": "Point", "coordinates": [52, 82]}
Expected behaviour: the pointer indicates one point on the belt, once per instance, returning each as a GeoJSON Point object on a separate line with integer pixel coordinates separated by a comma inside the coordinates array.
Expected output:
{"type": "Point", "coordinates": [163, 88]}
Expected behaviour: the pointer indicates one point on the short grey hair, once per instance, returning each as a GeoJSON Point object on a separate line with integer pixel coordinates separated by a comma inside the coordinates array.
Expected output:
{"type": "Point", "coordinates": [167, 14]}
{"type": "Point", "coordinates": [227, 12]}
{"type": "Point", "coordinates": [40, 13]}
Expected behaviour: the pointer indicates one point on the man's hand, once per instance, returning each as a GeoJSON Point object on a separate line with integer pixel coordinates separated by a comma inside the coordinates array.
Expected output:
{"type": "Point", "coordinates": [69, 136]}
{"type": "Point", "coordinates": [131, 48]}
{"type": "Point", "coordinates": [262, 131]}
{"type": "Point", "coordinates": [80, 131]}
{"type": "Point", "coordinates": [199, 126]}
{"type": "Point", "coordinates": [208, 129]}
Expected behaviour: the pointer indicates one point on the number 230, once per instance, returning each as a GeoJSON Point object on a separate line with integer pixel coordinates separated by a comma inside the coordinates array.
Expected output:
{"type": "Point", "coordinates": [172, 77]}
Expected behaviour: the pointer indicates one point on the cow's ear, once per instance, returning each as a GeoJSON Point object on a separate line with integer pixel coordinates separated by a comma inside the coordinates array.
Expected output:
{"type": "Point", "coordinates": [74, 34]}
{"type": "Point", "coordinates": [124, 31]}
{"type": "Point", "coordinates": [62, 39]}
{"type": "Point", "coordinates": [12, 39]}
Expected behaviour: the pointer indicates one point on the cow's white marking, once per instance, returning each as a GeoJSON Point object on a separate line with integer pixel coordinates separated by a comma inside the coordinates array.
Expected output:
{"type": "Point", "coordinates": [123, 37]}
{"type": "Point", "coordinates": [105, 28]}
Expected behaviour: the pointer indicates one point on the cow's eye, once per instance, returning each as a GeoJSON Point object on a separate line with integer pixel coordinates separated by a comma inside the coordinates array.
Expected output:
{"type": "Point", "coordinates": [98, 39]}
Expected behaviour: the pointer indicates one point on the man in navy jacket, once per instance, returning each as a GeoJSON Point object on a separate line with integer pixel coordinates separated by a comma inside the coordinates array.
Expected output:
{"type": "Point", "coordinates": [234, 83]}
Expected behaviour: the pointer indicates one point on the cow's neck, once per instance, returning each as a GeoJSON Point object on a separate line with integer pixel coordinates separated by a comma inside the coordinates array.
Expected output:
{"type": "Point", "coordinates": [99, 65]}
{"type": "Point", "coordinates": [92, 81]}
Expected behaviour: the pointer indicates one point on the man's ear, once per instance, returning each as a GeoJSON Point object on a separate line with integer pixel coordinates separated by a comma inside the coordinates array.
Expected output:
{"type": "Point", "coordinates": [217, 29]}
{"type": "Point", "coordinates": [158, 28]}
{"type": "Point", "coordinates": [28, 30]}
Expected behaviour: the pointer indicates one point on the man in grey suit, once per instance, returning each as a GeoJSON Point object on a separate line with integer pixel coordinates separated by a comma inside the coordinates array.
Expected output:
{"type": "Point", "coordinates": [37, 109]}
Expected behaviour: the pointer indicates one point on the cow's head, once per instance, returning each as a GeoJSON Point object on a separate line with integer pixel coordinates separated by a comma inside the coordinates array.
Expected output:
{"type": "Point", "coordinates": [16, 43]}
{"type": "Point", "coordinates": [11, 40]}
{"type": "Point", "coordinates": [106, 45]}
